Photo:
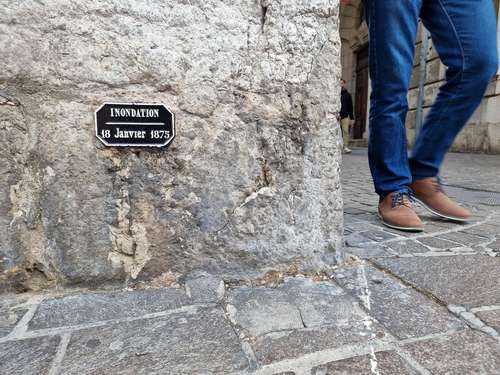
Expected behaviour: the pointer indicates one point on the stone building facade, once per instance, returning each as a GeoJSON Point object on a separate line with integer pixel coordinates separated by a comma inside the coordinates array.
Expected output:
{"type": "Point", "coordinates": [482, 134]}
{"type": "Point", "coordinates": [250, 184]}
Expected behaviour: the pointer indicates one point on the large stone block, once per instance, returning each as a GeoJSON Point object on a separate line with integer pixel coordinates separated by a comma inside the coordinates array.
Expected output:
{"type": "Point", "coordinates": [251, 181]}
{"type": "Point", "coordinates": [464, 280]}
{"type": "Point", "coordinates": [197, 343]}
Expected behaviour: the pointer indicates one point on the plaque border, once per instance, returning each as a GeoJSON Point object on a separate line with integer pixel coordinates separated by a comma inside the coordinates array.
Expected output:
{"type": "Point", "coordinates": [135, 145]}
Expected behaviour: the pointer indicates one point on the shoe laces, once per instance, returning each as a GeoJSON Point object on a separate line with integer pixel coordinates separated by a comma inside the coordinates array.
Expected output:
{"type": "Point", "coordinates": [402, 199]}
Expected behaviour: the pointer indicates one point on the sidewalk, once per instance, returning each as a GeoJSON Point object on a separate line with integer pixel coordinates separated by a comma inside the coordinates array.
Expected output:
{"type": "Point", "coordinates": [426, 303]}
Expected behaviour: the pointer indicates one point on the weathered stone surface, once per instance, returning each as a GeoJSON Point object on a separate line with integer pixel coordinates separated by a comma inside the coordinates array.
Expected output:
{"type": "Point", "coordinates": [198, 343]}
{"type": "Point", "coordinates": [251, 310]}
{"type": "Point", "coordinates": [464, 238]}
{"type": "Point", "coordinates": [377, 235]}
{"type": "Point", "coordinates": [9, 318]}
{"type": "Point", "coordinates": [399, 308]}
{"type": "Point", "coordinates": [321, 303]}
{"type": "Point", "coordinates": [466, 352]}
{"type": "Point", "coordinates": [386, 363]}
{"type": "Point", "coordinates": [465, 280]}
{"type": "Point", "coordinates": [31, 356]}
{"type": "Point", "coordinates": [95, 307]}
{"type": "Point", "coordinates": [357, 240]}
{"type": "Point", "coordinates": [407, 247]}
{"type": "Point", "coordinates": [297, 303]}
{"type": "Point", "coordinates": [484, 230]}
{"type": "Point", "coordinates": [278, 346]}
{"type": "Point", "coordinates": [251, 180]}
{"type": "Point", "coordinates": [490, 318]}
{"type": "Point", "coordinates": [369, 251]}
{"type": "Point", "coordinates": [438, 243]}
{"type": "Point", "coordinates": [204, 288]}
{"type": "Point", "coordinates": [12, 309]}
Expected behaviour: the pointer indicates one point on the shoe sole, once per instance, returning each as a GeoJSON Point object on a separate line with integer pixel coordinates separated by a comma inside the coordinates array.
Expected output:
{"type": "Point", "coordinates": [460, 220]}
{"type": "Point", "coordinates": [404, 229]}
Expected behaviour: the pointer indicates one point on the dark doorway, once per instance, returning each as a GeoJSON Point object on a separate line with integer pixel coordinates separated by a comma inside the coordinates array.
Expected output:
{"type": "Point", "coordinates": [361, 99]}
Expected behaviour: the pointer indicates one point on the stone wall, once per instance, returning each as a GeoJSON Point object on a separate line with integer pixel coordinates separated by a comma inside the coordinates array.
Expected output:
{"type": "Point", "coordinates": [251, 182]}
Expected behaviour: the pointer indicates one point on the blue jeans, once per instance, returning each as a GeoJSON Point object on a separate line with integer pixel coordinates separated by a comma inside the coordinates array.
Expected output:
{"type": "Point", "coordinates": [464, 35]}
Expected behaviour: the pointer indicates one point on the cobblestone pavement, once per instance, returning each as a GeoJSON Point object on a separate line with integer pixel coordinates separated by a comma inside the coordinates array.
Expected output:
{"type": "Point", "coordinates": [426, 303]}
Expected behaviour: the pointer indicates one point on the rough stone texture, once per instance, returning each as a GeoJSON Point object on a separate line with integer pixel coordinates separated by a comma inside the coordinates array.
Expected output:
{"type": "Point", "coordinates": [464, 238]}
{"type": "Point", "coordinates": [399, 308]}
{"type": "Point", "coordinates": [278, 346]}
{"type": "Point", "coordinates": [95, 307]}
{"type": "Point", "coordinates": [298, 303]}
{"type": "Point", "coordinates": [251, 309]}
{"type": "Point", "coordinates": [438, 243]}
{"type": "Point", "coordinates": [490, 318]}
{"type": "Point", "coordinates": [12, 309]}
{"type": "Point", "coordinates": [203, 288]}
{"type": "Point", "coordinates": [367, 252]}
{"type": "Point", "coordinates": [386, 363]}
{"type": "Point", "coordinates": [407, 247]}
{"type": "Point", "coordinates": [9, 318]}
{"type": "Point", "coordinates": [250, 182]}
{"type": "Point", "coordinates": [464, 280]}
{"type": "Point", "coordinates": [465, 352]}
{"type": "Point", "coordinates": [201, 343]}
{"type": "Point", "coordinates": [32, 356]}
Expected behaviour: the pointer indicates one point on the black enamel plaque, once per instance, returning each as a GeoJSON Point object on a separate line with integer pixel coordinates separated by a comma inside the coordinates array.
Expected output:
{"type": "Point", "coordinates": [137, 125]}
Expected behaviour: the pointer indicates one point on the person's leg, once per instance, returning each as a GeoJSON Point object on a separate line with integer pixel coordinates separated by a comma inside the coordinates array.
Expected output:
{"type": "Point", "coordinates": [464, 34]}
{"type": "Point", "coordinates": [392, 28]}
{"type": "Point", "coordinates": [345, 131]}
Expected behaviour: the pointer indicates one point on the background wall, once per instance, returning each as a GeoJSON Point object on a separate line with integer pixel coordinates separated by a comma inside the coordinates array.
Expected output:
{"type": "Point", "coordinates": [250, 183]}
{"type": "Point", "coordinates": [482, 134]}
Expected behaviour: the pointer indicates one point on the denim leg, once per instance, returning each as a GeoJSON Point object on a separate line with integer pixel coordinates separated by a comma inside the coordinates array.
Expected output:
{"type": "Point", "coordinates": [464, 35]}
{"type": "Point", "coordinates": [392, 26]}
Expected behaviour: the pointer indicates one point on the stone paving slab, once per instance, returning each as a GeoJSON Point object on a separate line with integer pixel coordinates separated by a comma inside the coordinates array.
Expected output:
{"type": "Point", "coordinates": [438, 243]}
{"type": "Point", "coordinates": [9, 301]}
{"type": "Point", "coordinates": [386, 363]}
{"type": "Point", "coordinates": [490, 318]}
{"type": "Point", "coordinates": [28, 357]}
{"type": "Point", "coordinates": [202, 287]}
{"type": "Point", "coordinates": [464, 280]}
{"type": "Point", "coordinates": [201, 342]}
{"type": "Point", "coordinates": [407, 247]}
{"type": "Point", "coordinates": [357, 239]}
{"type": "Point", "coordinates": [297, 303]}
{"type": "Point", "coordinates": [461, 353]}
{"type": "Point", "coordinates": [464, 238]}
{"type": "Point", "coordinates": [368, 252]}
{"type": "Point", "coordinates": [9, 318]}
{"type": "Point", "coordinates": [251, 309]}
{"type": "Point", "coordinates": [402, 310]}
{"type": "Point", "coordinates": [12, 309]}
{"type": "Point", "coordinates": [319, 302]}
{"type": "Point", "coordinates": [94, 307]}
{"type": "Point", "coordinates": [494, 245]}
{"type": "Point", "coordinates": [278, 346]}
{"type": "Point", "coordinates": [485, 230]}
{"type": "Point", "coordinates": [378, 235]}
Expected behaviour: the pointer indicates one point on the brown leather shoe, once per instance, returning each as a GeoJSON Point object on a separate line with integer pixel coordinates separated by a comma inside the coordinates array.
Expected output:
{"type": "Point", "coordinates": [430, 194]}
{"type": "Point", "coordinates": [396, 212]}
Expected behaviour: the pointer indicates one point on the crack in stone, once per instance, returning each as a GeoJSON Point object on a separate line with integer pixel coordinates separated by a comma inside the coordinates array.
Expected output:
{"type": "Point", "coordinates": [264, 6]}
{"type": "Point", "coordinates": [406, 283]}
